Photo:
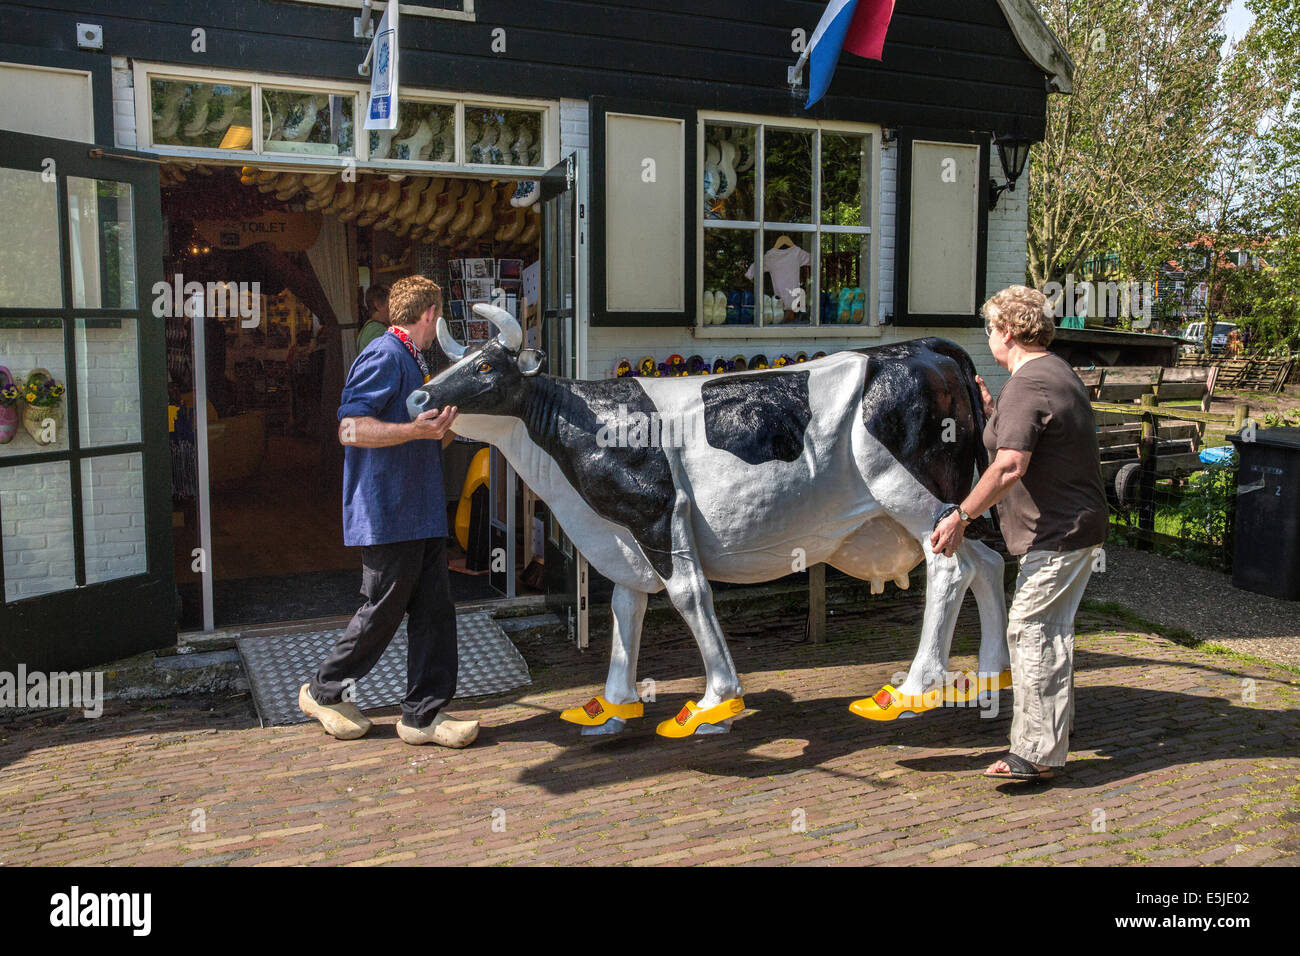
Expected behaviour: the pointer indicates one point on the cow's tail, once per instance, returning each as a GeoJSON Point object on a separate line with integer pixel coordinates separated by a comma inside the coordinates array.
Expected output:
{"type": "Point", "coordinates": [963, 359]}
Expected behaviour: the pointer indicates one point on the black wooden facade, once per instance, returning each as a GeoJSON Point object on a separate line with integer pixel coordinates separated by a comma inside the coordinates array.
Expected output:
{"type": "Point", "coordinates": [948, 64]}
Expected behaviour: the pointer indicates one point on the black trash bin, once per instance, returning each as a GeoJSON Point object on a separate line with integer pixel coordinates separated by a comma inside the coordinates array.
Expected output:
{"type": "Point", "coordinates": [1266, 536]}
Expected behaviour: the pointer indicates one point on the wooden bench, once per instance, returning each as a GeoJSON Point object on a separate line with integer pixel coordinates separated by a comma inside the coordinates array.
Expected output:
{"type": "Point", "coordinates": [1139, 388]}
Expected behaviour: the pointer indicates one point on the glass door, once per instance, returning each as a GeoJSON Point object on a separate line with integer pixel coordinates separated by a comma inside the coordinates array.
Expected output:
{"type": "Point", "coordinates": [85, 543]}
{"type": "Point", "coordinates": [563, 229]}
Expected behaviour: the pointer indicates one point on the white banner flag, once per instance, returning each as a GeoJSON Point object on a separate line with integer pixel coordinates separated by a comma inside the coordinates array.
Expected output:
{"type": "Point", "coordinates": [382, 112]}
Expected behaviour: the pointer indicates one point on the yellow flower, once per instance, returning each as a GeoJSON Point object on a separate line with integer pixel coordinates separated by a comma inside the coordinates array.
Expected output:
{"type": "Point", "coordinates": [31, 396]}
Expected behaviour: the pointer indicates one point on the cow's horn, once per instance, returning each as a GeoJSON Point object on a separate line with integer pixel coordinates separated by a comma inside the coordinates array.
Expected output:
{"type": "Point", "coordinates": [512, 336]}
{"type": "Point", "coordinates": [454, 349]}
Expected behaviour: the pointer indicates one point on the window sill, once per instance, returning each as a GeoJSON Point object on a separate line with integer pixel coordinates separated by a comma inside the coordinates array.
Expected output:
{"type": "Point", "coordinates": [787, 331]}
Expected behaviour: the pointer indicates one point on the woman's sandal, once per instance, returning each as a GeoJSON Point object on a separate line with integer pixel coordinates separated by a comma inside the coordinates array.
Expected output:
{"type": "Point", "coordinates": [1021, 770]}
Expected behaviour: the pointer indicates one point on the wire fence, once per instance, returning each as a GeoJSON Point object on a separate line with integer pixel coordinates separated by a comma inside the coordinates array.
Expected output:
{"type": "Point", "coordinates": [1191, 517]}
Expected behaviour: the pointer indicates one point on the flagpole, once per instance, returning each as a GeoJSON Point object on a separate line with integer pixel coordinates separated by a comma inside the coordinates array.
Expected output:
{"type": "Point", "coordinates": [793, 74]}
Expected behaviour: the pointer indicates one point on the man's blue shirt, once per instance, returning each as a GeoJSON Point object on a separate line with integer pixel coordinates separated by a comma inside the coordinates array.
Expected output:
{"type": "Point", "coordinates": [395, 493]}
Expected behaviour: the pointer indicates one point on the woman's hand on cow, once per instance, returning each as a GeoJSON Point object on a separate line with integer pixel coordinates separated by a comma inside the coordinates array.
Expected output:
{"type": "Point", "coordinates": [947, 535]}
{"type": "Point", "coordinates": [434, 425]}
{"type": "Point", "coordinates": [986, 397]}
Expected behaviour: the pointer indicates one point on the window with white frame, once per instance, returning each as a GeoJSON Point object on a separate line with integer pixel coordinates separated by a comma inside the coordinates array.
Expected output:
{"type": "Point", "coordinates": [787, 223]}
{"type": "Point", "coordinates": [198, 113]}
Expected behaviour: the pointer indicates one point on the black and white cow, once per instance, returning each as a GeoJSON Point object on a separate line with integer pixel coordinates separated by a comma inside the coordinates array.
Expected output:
{"type": "Point", "coordinates": [847, 460]}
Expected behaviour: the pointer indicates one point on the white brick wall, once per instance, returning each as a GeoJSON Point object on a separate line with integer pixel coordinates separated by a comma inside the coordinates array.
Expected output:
{"type": "Point", "coordinates": [36, 529]}
{"type": "Point", "coordinates": [575, 125]}
{"type": "Point", "coordinates": [108, 370]}
{"type": "Point", "coordinates": [35, 500]}
{"type": "Point", "coordinates": [112, 491]}
{"type": "Point", "coordinates": [123, 102]}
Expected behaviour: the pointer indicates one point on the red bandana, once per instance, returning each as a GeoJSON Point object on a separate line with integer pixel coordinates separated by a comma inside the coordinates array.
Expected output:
{"type": "Point", "coordinates": [410, 347]}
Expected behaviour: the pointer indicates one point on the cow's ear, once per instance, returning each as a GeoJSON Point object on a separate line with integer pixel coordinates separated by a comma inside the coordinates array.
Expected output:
{"type": "Point", "coordinates": [530, 361]}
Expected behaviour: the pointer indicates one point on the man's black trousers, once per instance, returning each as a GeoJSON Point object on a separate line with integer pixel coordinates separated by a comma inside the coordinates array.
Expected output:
{"type": "Point", "coordinates": [408, 576]}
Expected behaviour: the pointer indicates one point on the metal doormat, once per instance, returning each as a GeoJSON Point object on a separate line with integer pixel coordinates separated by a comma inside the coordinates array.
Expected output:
{"type": "Point", "coordinates": [277, 666]}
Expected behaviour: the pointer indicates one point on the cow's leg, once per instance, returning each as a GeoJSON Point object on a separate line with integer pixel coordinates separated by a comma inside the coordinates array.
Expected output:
{"type": "Point", "coordinates": [946, 581]}
{"type": "Point", "coordinates": [629, 611]}
{"type": "Point", "coordinates": [690, 593]}
{"type": "Point", "coordinates": [990, 595]}
{"type": "Point", "coordinates": [621, 702]}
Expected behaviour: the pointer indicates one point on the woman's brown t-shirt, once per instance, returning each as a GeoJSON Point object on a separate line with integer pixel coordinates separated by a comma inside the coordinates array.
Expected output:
{"type": "Point", "coordinates": [1059, 504]}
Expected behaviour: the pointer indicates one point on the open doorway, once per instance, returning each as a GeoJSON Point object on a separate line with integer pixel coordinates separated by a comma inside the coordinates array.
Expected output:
{"type": "Point", "coordinates": [296, 253]}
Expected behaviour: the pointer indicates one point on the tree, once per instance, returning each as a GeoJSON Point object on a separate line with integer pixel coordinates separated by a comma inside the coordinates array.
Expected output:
{"type": "Point", "coordinates": [1123, 154]}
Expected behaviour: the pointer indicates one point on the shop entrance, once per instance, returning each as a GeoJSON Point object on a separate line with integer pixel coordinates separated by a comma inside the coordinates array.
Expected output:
{"type": "Point", "coordinates": [274, 268]}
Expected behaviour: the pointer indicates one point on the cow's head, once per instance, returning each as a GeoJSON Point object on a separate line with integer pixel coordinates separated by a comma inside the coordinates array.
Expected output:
{"type": "Point", "coordinates": [487, 381]}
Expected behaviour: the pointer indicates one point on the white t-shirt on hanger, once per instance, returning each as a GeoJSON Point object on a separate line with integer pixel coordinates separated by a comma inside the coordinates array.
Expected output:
{"type": "Point", "coordinates": [783, 265]}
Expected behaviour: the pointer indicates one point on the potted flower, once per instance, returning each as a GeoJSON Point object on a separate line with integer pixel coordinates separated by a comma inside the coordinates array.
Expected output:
{"type": "Point", "coordinates": [43, 398]}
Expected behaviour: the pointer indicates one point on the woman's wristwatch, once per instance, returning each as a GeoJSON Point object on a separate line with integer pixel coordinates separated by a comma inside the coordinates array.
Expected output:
{"type": "Point", "coordinates": [965, 518]}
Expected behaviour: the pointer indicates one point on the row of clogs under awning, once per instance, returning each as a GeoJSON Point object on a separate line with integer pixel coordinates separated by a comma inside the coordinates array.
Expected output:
{"type": "Point", "coordinates": [433, 209]}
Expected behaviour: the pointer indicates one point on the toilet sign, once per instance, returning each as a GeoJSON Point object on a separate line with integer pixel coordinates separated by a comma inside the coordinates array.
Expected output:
{"type": "Point", "coordinates": [382, 111]}
{"type": "Point", "coordinates": [288, 231]}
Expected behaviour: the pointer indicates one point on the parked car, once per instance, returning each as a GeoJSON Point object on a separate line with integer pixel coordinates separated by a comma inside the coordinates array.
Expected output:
{"type": "Point", "coordinates": [1193, 336]}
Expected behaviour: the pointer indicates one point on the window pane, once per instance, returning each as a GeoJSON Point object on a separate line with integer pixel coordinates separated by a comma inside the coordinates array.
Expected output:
{"type": "Point", "coordinates": [728, 277]}
{"type": "Point", "coordinates": [315, 124]}
{"type": "Point", "coordinates": [112, 510]}
{"type": "Point", "coordinates": [845, 274]}
{"type": "Point", "coordinates": [201, 115]}
{"type": "Point", "coordinates": [787, 278]}
{"type": "Point", "coordinates": [787, 175]}
{"type": "Point", "coordinates": [29, 242]}
{"type": "Point", "coordinates": [108, 381]}
{"type": "Point", "coordinates": [845, 170]}
{"type": "Point", "coordinates": [425, 131]}
{"type": "Point", "coordinates": [503, 137]}
{"type": "Point", "coordinates": [36, 529]}
{"type": "Point", "coordinates": [730, 164]}
{"type": "Point", "coordinates": [32, 387]}
{"type": "Point", "coordinates": [101, 227]}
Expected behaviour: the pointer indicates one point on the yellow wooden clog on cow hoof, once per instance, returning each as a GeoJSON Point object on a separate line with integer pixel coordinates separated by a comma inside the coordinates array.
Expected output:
{"type": "Point", "coordinates": [965, 686]}
{"type": "Point", "coordinates": [889, 704]}
{"type": "Point", "coordinates": [691, 720]}
{"type": "Point", "coordinates": [598, 711]}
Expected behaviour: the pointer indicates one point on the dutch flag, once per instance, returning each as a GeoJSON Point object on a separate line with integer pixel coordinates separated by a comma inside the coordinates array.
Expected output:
{"type": "Point", "coordinates": [858, 26]}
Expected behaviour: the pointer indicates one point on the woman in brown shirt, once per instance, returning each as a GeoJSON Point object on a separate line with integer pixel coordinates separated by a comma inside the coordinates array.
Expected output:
{"type": "Point", "coordinates": [1045, 478]}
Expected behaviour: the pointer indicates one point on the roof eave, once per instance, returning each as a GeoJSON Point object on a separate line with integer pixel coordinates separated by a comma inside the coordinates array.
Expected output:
{"type": "Point", "coordinates": [1040, 44]}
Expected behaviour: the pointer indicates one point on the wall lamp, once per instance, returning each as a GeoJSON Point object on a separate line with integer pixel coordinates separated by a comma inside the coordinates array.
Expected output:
{"type": "Point", "coordinates": [1013, 153]}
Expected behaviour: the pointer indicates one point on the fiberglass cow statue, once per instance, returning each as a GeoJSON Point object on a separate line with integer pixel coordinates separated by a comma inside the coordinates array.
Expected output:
{"type": "Point", "coordinates": [847, 460]}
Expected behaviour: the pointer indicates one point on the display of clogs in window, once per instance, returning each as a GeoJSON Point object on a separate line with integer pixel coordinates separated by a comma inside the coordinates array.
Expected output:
{"type": "Point", "coordinates": [42, 413]}
{"type": "Point", "coordinates": [8, 406]}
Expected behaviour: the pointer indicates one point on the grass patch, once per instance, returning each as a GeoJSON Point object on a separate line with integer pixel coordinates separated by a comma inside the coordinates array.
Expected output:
{"type": "Point", "coordinates": [1179, 636]}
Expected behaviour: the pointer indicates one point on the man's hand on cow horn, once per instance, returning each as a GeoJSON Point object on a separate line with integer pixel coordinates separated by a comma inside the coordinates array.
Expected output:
{"type": "Point", "coordinates": [433, 424]}
{"type": "Point", "coordinates": [986, 397]}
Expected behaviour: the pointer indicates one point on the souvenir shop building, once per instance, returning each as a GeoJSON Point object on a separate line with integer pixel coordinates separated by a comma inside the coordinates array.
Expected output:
{"type": "Point", "coordinates": [688, 205]}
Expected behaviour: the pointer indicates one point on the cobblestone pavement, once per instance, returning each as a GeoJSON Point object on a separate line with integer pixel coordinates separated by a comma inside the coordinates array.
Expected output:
{"type": "Point", "coordinates": [1173, 763]}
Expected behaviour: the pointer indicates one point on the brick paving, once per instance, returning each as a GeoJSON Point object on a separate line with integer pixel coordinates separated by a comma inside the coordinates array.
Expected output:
{"type": "Point", "coordinates": [1173, 763]}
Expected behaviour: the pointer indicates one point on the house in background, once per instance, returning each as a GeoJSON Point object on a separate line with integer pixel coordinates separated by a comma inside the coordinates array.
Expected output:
{"type": "Point", "coordinates": [675, 163]}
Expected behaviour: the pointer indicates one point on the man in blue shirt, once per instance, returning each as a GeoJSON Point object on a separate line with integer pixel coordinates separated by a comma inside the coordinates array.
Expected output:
{"type": "Point", "coordinates": [395, 511]}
